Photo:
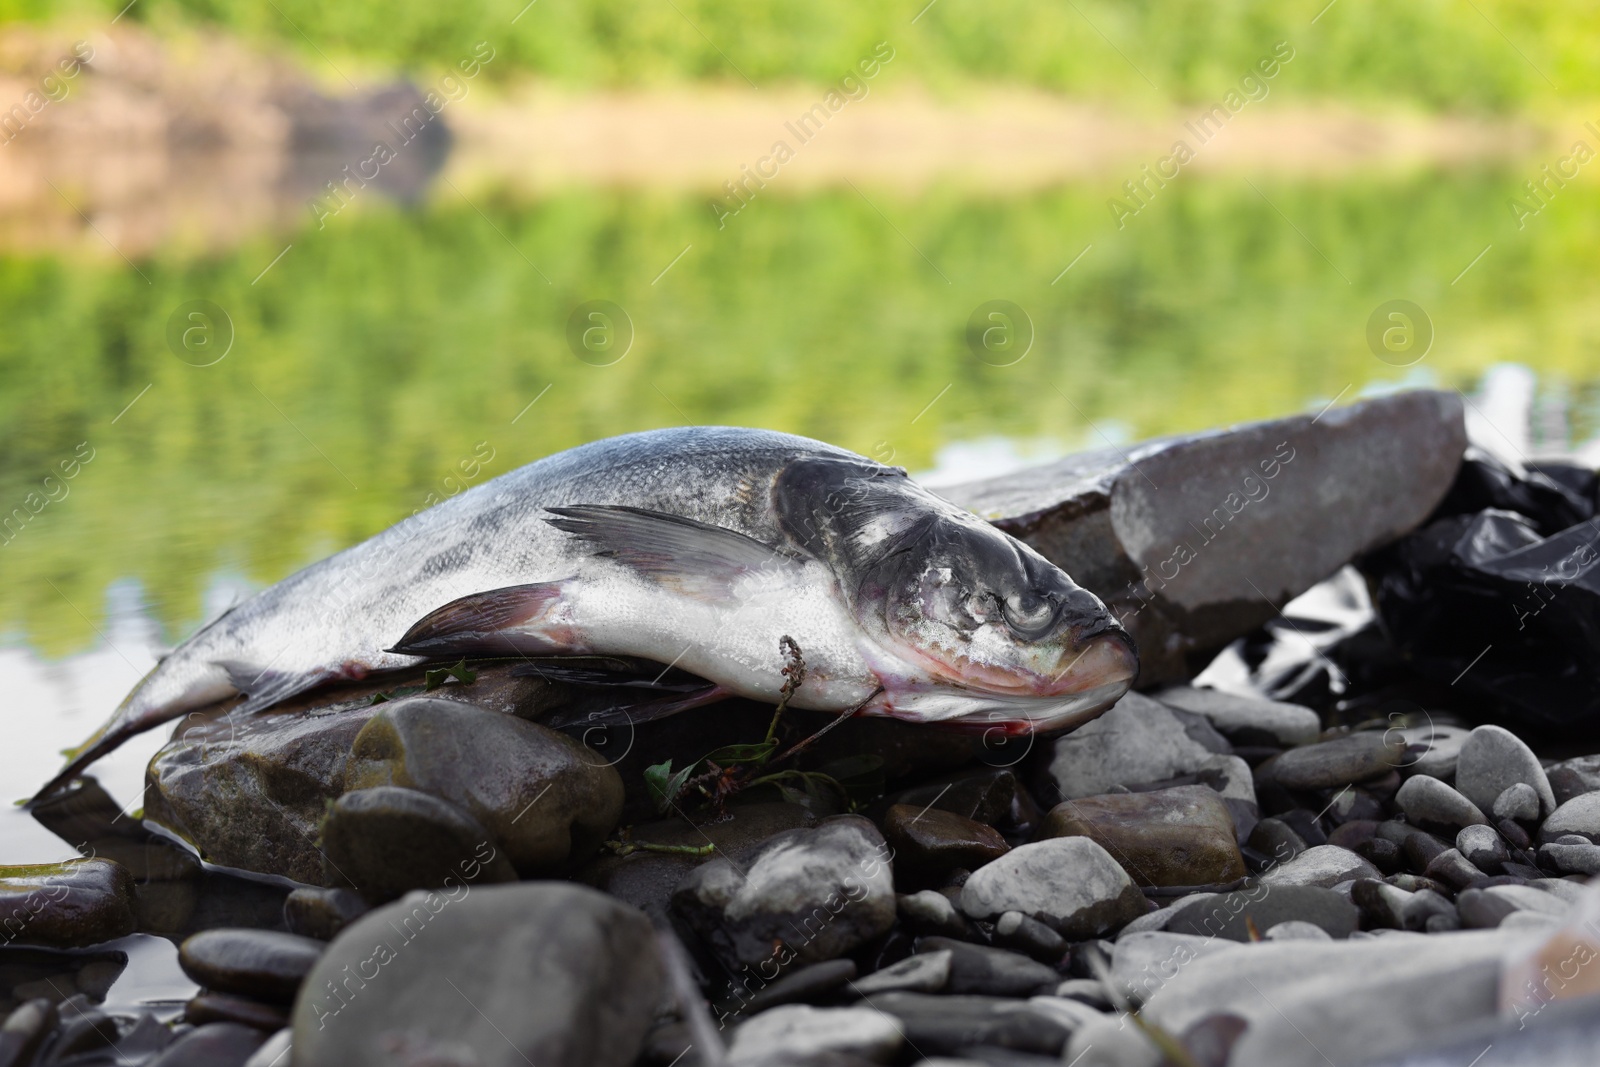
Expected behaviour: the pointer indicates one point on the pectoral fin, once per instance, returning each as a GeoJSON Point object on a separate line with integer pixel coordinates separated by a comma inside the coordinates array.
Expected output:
{"type": "Point", "coordinates": [690, 557]}
{"type": "Point", "coordinates": [516, 620]}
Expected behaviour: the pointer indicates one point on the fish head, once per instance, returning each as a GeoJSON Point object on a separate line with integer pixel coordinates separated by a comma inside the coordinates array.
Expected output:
{"type": "Point", "coordinates": [962, 623]}
{"type": "Point", "coordinates": [994, 634]}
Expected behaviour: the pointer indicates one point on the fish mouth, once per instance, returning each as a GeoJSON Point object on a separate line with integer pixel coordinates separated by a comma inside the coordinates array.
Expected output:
{"type": "Point", "coordinates": [1102, 671]}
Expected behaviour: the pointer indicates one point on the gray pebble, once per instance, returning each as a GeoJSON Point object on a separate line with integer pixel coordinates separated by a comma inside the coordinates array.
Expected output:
{"type": "Point", "coordinates": [1573, 858]}
{"type": "Point", "coordinates": [1427, 800]}
{"type": "Point", "coordinates": [1492, 760]}
{"type": "Point", "coordinates": [1580, 815]}
{"type": "Point", "coordinates": [1297, 930]}
{"type": "Point", "coordinates": [926, 972]}
{"type": "Point", "coordinates": [1519, 801]}
{"type": "Point", "coordinates": [1483, 848]}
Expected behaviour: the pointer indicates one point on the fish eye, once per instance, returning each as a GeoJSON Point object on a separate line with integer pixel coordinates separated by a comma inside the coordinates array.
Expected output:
{"type": "Point", "coordinates": [1028, 614]}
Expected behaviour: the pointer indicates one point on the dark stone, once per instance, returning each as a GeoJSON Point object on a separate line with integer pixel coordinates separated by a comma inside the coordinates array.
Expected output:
{"type": "Point", "coordinates": [1352, 835]}
{"type": "Point", "coordinates": [210, 1007]}
{"type": "Point", "coordinates": [83, 1030]}
{"type": "Point", "coordinates": [944, 1025]}
{"type": "Point", "coordinates": [1305, 824]}
{"type": "Point", "coordinates": [25, 1030]}
{"type": "Point", "coordinates": [1422, 848]}
{"type": "Point", "coordinates": [1453, 869]}
{"type": "Point", "coordinates": [548, 973]}
{"type": "Point", "coordinates": [1226, 915]}
{"type": "Point", "coordinates": [929, 843]}
{"type": "Point", "coordinates": [1331, 764]}
{"type": "Point", "coordinates": [1384, 855]}
{"type": "Point", "coordinates": [648, 879]}
{"type": "Point", "coordinates": [1276, 840]}
{"type": "Point", "coordinates": [1170, 837]}
{"type": "Point", "coordinates": [993, 797]}
{"type": "Point", "coordinates": [250, 791]}
{"type": "Point", "coordinates": [222, 1044]}
{"type": "Point", "coordinates": [1340, 485]}
{"type": "Point", "coordinates": [322, 913]}
{"type": "Point", "coordinates": [805, 895]}
{"type": "Point", "coordinates": [801, 985]}
{"type": "Point", "coordinates": [1018, 931]}
{"type": "Point", "coordinates": [387, 841]}
{"type": "Point", "coordinates": [71, 904]}
{"type": "Point", "coordinates": [262, 964]}
{"type": "Point", "coordinates": [546, 800]}
{"type": "Point", "coordinates": [988, 971]}
{"type": "Point", "coordinates": [1566, 783]}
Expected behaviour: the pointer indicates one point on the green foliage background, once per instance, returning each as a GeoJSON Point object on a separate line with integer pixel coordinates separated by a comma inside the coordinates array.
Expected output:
{"type": "Point", "coordinates": [1483, 55]}
{"type": "Point", "coordinates": [376, 355]}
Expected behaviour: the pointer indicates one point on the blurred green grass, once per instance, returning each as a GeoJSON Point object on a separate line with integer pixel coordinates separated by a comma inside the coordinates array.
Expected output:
{"type": "Point", "coordinates": [1477, 55]}
{"type": "Point", "coordinates": [383, 349]}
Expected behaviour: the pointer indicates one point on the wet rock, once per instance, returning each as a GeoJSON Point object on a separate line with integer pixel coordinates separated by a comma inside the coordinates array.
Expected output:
{"type": "Point", "coordinates": [1580, 815]}
{"type": "Point", "coordinates": [1492, 760]}
{"type": "Point", "coordinates": [212, 1045]}
{"type": "Point", "coordinates": [1483, 848]}
{"type": "Point", "coordinates": [1284, 504]}
{"type": "Point", "coordinates": [1325, 865]}
{"type": "Point", "coordinates": [250, 791]}
{"type": "Point", "coordinates": [1030, 936]}
{"type": "Point", "coordinates": [992, 796]}
{"type": "Point", "coordinates": [1167, 837]}
{"type": "Point", "coordinates": [388, 840]}
{"type": "Point", "coordinates": [546, 800]}
{"type": "Point", "coordinates": [1331, 764]}
{"type": "Point", "coordinates": [925, 972]}
{"type": "Point", "coordinates": [322, 913]}
{"type": "Point", "coordinates": [929, 843]}
{"type": "Point", "coordinates": [1513, 834]}
{"type": "Point", "coordinates": [208, 1007]}
{"type": "Point", "coordinates": [1141, 742]}
{"type": "Point", "coordinates": [799, 985]}
{"type": "Point", "coordinates": [1246, 720]}
{"type": "Point", "coordinates": [799, 1032]}
{"type": "Point", "coordinates": [263, 964]}
{"type": "Point", "coordinates": [942, 1025]}
{"type": "Point", "coordinates": [66, 905]}
{"type": "Point", "coordinates": [1519, 801]}
{"type": "Point", "coordinates": [1428, 801]}
{"type": "Point", "coordinates": [932, 912]}
{"type": "Point", "coordinates": [990, 971]}
{"type": "Point", "coordinates": [809, 894]}
{"type": "Point", "coordinates": [438, 974]}
{"type": "Point", "coordinates": [1274, 838]}
{"type": "Point", "coordinates": [25, 1030]}
{"type": "Point", "coordinates": [1070, 884]}
{"type": "Point", "coordinates": [1231, 915]}
{"type": "Point", "coordinates": [647, 879]}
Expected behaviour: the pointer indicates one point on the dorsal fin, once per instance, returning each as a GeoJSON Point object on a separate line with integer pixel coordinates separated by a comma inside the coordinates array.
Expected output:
{"type": "Point", "coordinates": [683, 554]}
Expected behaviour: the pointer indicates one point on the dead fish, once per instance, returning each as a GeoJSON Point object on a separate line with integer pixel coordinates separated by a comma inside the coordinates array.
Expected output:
{"type": "Point", "coordinates": [700, 548]}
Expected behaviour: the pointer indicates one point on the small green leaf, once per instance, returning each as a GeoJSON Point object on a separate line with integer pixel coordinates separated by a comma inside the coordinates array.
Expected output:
{"type": "Point", "coordinates": [757, 753]}
{"type": "Point", "coordinates": [664, 785]}
{"type": "Point", "coordinates": [460, 672]}
{"type": "Point", "coordinates": [379, 698]}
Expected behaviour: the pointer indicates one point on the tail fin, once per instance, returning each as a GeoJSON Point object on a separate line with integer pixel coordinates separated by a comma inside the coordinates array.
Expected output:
{"type": "Point", "coordinates": [142, 709]}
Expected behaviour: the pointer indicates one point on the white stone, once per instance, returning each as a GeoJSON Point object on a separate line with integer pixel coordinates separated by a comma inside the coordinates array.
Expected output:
{"type": "Point", "coordinates": [1289, 724]}
{"type": "Point", "coordinates": [799, 1030]}
{"type": "Point", "coordinates": [1324, 865]}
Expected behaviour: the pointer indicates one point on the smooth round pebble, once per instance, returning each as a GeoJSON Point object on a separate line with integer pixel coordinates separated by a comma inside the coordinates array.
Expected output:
{"type": "Point", "coordinates": [1427, 800]}
{"type": "Point", "coordinates": [1519, 801]}
{"type": "Point", "coordinates": [1492, 760]}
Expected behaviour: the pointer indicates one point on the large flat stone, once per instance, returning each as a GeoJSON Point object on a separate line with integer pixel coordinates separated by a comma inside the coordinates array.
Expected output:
{"type": "Point", "coordinates": [1192, 539]}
